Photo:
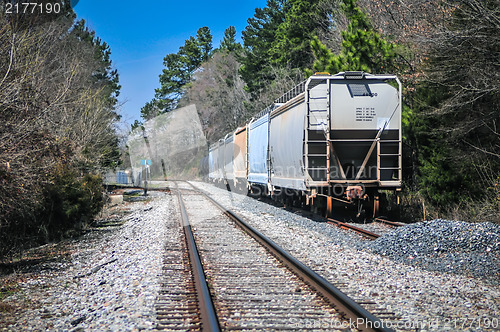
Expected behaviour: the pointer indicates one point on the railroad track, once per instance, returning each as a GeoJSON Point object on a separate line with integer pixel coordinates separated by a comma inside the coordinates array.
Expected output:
{"type": "Point", "coordinates": [359, 230]}
{"type": "Point", "coordinates": [254, 288]}
{"type": "Point", "coordinates": [388, 222]}
{"type": "Point", "coordinates": [177, 302]}
{"type": "Point", "coordinates": [343, 225]}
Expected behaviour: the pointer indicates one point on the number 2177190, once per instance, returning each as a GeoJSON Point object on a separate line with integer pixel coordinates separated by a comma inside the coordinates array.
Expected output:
{"type": "Point", "coordinates": [32, 8]}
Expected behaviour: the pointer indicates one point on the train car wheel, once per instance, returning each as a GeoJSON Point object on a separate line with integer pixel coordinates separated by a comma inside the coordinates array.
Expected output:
{"type": "Point", "coordinates": [376, 206]}
{"type": "Point", "coordinates": [329, 207]}
{"type": "Point", "coordinates": [379, 207]}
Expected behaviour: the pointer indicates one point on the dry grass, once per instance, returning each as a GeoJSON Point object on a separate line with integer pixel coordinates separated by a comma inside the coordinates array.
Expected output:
{"type": "Point", "coordinates": [473, 211]}
{"type": "Point", "coordinates": [415, 208]}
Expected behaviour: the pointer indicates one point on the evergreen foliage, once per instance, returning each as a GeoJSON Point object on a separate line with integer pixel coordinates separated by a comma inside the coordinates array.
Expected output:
{"type": "Point", "coordinates": [150, 110]}
{"type": "Point", "coordinates": [229, 43]}
{"type": "Point", "coordinates": [204, 43]}
{"type": "Point", "coordinates": [460, 105]}
{"type": "Point", "coordinates": [136, 125]}
{"type": "Point", "coordinates": [448, 66]}
{"type": "Point", "coordinates": [104, 76]}
{"type": "Point", "coordinates": [178, 72]}
{"type": "Point", "coordinates": [258, 39]}
{"type": "Point", "coordinates": [69, 202]}
{"type": "Point", "coordinates": [363, 49]}
{"type": "Point", "coordinates": [292, 41]}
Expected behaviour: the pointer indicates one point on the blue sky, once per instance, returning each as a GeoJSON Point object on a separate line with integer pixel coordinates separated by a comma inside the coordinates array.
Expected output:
{"type": "Point", "coordinates": [140, 36]}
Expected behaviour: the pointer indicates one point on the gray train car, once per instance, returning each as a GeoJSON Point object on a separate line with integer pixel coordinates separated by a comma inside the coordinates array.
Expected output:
{"type": "Point", "coordinates": [212, 162]}
{"type": "Point", "coordinates": [286, 145]}
{"type": "Point", "coordinates": [258, 140]}
{"type": "Point", "coordinates": [332, 139]}
{"type": "Point", "coordinates": [228, 153]}
{"type": "Point", "coordinates": [240, 158]}
{"type": "Point", "coordinates": [339, 139]}
{"type": "Point", "coordinates": [220, 162]}
{"type": "Point", "coordinates": [216, 162]}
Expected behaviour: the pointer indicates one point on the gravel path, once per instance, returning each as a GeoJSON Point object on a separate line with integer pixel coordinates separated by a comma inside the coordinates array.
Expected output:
{"type": "Point", "coordinates": [110, 282]}
{"type": "Point", "coordinates": [424, 299]}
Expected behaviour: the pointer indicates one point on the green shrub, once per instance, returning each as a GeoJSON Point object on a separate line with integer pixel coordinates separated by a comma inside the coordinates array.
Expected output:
{"type": "Point", "coordinates": [70, 202]}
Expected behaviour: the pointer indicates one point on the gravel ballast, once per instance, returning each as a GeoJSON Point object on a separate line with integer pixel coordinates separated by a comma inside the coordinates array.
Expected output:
{"type": "Point", "coordinates": [110, 282]}
{"type": "Point", "coordinates": [423, 298]}
{"type": "Point", "coordinates": [445, 246]}
{"type": "Point", "coordinates": [112, 278]}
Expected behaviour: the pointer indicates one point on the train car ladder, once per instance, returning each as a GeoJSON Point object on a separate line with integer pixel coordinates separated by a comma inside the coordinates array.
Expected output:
{"type": "Point", "coordinates": [317, 131]}
{"type": "Point", "coordinates": [389, 158]}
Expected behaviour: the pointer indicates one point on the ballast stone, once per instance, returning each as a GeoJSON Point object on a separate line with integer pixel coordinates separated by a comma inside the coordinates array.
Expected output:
{"type": "Point", "coordinates": [445, 246]}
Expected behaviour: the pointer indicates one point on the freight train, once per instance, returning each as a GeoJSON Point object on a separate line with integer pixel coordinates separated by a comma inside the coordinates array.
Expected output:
{"type": "Point", "coordinates": [332, 141]}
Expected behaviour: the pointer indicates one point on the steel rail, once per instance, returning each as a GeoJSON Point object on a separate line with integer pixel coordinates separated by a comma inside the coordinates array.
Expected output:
{"type": "Point", "coordinates": [352, 311]}
{"type": "Point", "coordinates": [209, 319]}
{"type": "Point", "coordinates": [388, 222]}
{"type": "Point", "coordinates": [364, 232]}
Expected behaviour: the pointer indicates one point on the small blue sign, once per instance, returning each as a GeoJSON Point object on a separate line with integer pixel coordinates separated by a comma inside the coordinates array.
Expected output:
{"type": "Point", "coordinates": [145, 162]}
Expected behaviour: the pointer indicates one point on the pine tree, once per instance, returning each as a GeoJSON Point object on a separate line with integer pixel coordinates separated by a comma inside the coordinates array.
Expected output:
{"type": "Point", "coordinates": [229, 43]}
{"type": "Point", "coordinates": [136, 124]}
{"type": "Point", "coordinates": [292, 45]}
{"type": "Point", "coordinates": [204, 42]}
{"type": "Point", "coordinates": [104, 76]}
{"type": "Point", "coordinates": [258, 39]}
{"type": "Point", "coordinates": [175, 75]}
{"type": "Point", "coordinates": [363, 49]}
{"type": "Point", "coordinates": [178, 72]}
{"type": "Point", "coordinates": [151, 110]}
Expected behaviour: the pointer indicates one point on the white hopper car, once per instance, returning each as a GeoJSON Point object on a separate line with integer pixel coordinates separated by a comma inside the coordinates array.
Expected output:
{"type": "Point", "coordinates": [332, 140]}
